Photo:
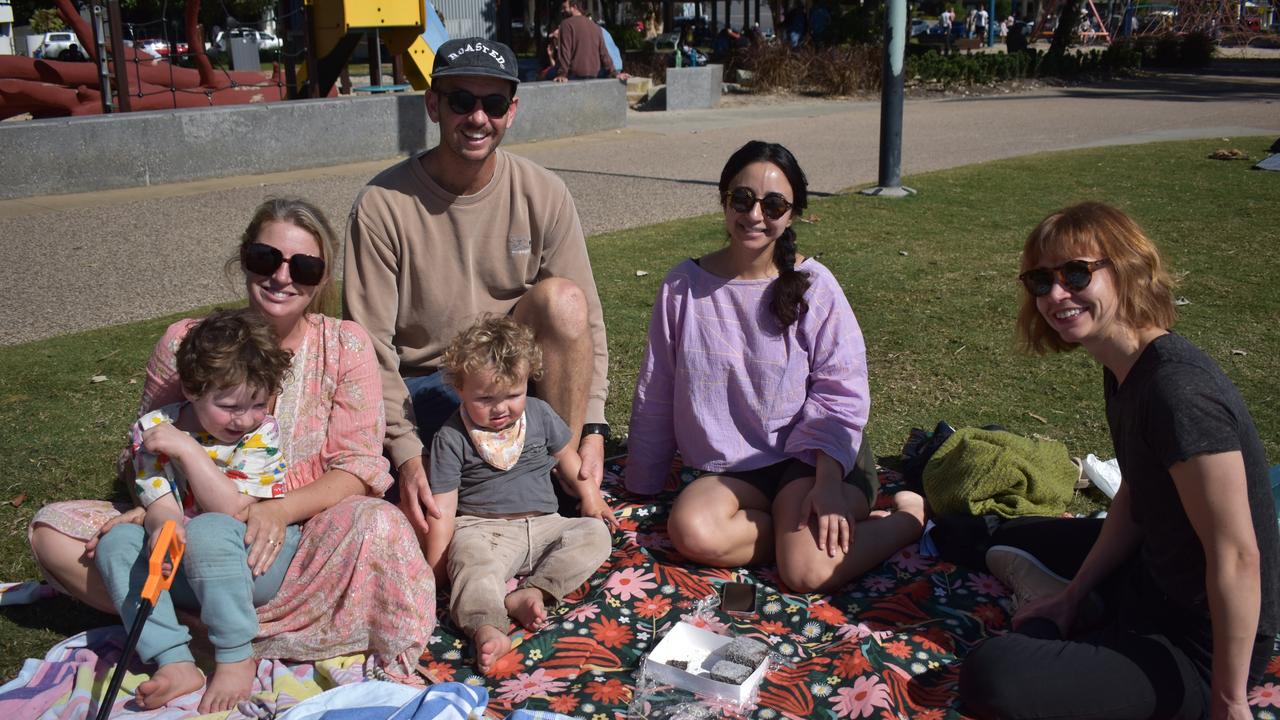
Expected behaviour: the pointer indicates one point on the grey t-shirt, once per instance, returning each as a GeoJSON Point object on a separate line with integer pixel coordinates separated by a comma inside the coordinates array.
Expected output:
{"type": "Point", "coordinates": [1175, 404]}
{"type": "Point", "coordinates": [486, 490]}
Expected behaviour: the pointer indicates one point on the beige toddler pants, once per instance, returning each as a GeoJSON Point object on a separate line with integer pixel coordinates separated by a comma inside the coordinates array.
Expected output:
{"type": "Point", "coordinates": [553, 553]}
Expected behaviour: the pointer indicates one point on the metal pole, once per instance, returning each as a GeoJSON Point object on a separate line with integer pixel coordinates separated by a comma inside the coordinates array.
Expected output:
{"type": "Point", "coordinates": [313, 67]}
{"type": "Point", "coordinates": [375, 58]}
{"type": "Point", "coordinates": [991, 23]}
{"type": "Point", "coordinates": [117, 56]}
{"type": "Point", "coordinates": [895, 41]}
{"type": "Point", "coordinates": [104, 75]}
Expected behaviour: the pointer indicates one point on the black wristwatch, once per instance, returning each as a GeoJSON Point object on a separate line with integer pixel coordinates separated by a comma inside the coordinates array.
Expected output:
{"type": "Point", "coordinates": [601, 429]}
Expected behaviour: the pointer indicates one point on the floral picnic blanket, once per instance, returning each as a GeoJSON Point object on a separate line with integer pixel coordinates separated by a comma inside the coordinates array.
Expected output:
{"type": "Point", "coordinates": [887, 646]}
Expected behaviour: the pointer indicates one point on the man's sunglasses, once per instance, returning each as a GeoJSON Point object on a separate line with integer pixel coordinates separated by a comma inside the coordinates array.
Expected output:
{"type": "Point", "coordinates": [262, 259]}
{"type": "Point", "coordinates": [772, 205]}
{"type": "Point", "coordinates": [463, 102]}
{"type": "Point", "coordinates": [1074, 275]}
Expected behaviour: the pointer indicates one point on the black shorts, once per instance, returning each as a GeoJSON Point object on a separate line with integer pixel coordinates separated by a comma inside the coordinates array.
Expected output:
{"type": "Point", "coordinates": [770, 479]}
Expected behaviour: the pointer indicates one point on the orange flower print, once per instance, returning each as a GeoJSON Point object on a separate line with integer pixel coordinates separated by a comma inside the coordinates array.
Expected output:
{"type": "Point", "coordinates": [852, 664]}
{"type": "Point", "coordinates": [828, 614]}
{"type": "Point", "coordinates": [898, 649]}
{"type": "Point", "coordinates": [563, 704]}
{"type": "Point", "coordinates": [610, 691]}
{"type": "Point", "coordinates": [654, 607]}
{"type": "Point", "coordinates": [990, 615]}
{"type": "Point", "coordinates": [507, 665]}
{"type": "Point", "coordinates": [610, 633]}
{"type": "Point", "coordinates": [440, 671]}
{"type": "Point", "coordinates": [772, 627]}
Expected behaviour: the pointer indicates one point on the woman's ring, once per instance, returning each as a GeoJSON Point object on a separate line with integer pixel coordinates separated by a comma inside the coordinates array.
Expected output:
{"type": "Point", "coordinates": [272, 543]}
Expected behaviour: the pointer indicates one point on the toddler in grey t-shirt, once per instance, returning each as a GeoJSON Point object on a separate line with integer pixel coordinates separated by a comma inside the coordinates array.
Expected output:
{"type": "Point", "coordinates": [490, 476]}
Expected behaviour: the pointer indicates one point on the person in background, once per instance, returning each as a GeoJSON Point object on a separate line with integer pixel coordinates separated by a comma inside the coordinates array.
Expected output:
{"type": "Point", "coordinates": [581, 51]}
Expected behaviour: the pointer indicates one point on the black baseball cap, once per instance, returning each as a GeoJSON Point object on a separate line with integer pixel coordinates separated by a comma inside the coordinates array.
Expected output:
{"type": "Point", "coordinates": [475, 57]}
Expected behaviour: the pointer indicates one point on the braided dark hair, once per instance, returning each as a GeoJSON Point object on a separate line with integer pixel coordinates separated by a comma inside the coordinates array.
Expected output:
{"type": "Point", "coordinates": [787, 301]}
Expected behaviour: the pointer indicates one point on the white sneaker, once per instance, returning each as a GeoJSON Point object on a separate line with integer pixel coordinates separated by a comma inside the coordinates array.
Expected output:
{"type": "Point", "coordinates": [1029, 579]}
{"type": "Point", "coordinates": [1026, 577]}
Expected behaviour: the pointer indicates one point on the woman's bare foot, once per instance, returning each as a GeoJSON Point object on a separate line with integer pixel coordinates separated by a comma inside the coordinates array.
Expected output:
{"type": "Point", "coordinates": [167, 683]}
{"type": "Point", "coordinates": [491, 644]}
{"type": "Point", "coordinates": [231, 683]}
{"type": "Point", "coordinates": [525, 606]}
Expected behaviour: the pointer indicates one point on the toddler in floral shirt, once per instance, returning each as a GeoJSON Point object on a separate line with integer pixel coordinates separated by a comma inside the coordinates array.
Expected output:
{"type": "Point", "coordinates": [200, 463]}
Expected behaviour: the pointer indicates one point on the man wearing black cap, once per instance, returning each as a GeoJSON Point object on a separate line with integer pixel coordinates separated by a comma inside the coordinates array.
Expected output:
{"type": "Point", "coordinates": [462, 230]}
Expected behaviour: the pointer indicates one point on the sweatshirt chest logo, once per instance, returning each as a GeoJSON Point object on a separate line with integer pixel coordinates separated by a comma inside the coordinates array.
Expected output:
{"type": "Point", "coordinates": [519, 245]}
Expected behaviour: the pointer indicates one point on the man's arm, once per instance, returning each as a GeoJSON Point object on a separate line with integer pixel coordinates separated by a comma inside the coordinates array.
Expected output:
{"type": "Point", "coordinates": [441, 534]}
{"type": "Point", "coordinates": [370, 293]}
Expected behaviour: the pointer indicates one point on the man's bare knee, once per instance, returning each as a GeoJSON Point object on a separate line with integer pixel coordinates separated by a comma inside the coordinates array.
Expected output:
{"type": "Point", "coordinates": [555, 306]}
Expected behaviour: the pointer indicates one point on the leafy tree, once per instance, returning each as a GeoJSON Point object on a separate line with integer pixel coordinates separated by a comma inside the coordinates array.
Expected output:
{"type": "Point", "coordinates": [45, 20]}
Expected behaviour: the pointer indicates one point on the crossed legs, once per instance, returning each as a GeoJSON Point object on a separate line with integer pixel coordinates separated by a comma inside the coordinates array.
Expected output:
{"type": "Point", "coordinates": [724, 521]}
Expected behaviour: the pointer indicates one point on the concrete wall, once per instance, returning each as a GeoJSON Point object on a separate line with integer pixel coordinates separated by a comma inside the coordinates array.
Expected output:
{"type": "Point", "coordinates": [67, 155]}
{"type": "Point", "coordinates": [694, 88]}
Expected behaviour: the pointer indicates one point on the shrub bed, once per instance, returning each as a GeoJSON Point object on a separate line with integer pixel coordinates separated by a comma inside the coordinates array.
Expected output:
{"type": "Point", "coordinates": [849, 69]}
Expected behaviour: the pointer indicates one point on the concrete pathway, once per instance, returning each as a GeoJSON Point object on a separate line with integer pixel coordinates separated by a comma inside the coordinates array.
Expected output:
{"type": "Point", "coordinates": [76, 262]}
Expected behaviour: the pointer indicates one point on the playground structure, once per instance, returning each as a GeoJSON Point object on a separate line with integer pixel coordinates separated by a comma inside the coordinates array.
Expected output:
{"type": "Point", "coordinates": [1237, 19]}
{"type": "Point", "coordinates": [118, 78]}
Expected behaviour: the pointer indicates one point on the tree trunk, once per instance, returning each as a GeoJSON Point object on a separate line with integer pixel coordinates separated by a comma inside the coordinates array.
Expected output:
{"type": "Point", "coordinates": [1068, 19]}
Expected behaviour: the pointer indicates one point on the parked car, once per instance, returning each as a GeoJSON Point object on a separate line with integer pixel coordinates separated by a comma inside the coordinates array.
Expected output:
{"type": "Point", "coordinates": [919, 27]}
{"type": "Point", "coordinates": [155, 47]}
{"type": "Point", "coordinates": [60, 45]}
{"type": "Point", "coordinates": [265, 40]}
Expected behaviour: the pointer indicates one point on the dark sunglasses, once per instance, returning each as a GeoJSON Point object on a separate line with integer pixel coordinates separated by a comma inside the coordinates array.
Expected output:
{"type": "Point", "coordinates": [772, 205]}
{"type": "Point", "coordinates": [1074, 275]}
{"type": "Point", "coordinates": [262, 259]}
{"type": "Point", "coordinates": [463, 102]}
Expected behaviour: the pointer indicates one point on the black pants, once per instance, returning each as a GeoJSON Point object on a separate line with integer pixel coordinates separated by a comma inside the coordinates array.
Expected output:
{"type": "Point", "coordinates": [1145, 662]}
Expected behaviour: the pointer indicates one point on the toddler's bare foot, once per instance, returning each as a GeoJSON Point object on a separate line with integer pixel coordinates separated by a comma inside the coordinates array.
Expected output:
{"type": "Point", "coordinates": [167, 683]}
{"type": "Point", "coordinates": [525, 606]}
{"type": "Point", "coordinates": [231, 683]}
{"type": "Point", "coordinates": [491, 644]}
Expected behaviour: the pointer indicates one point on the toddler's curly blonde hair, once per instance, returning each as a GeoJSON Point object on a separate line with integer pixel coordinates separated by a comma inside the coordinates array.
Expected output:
{"type": "Point", "coordinates": [494, 342]}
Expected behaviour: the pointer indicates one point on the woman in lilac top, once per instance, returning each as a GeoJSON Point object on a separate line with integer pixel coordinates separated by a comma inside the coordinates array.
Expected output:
{"type": "Point", "coordinates": [756, 373]}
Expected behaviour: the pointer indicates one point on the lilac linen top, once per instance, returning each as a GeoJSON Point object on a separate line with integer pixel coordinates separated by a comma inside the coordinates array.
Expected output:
{"type": "Point", "coordinates": [721, 383]}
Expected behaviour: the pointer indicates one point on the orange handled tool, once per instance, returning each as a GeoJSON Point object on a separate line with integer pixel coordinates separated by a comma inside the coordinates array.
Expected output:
{"type": "Point", "coordinates": [168, 551]}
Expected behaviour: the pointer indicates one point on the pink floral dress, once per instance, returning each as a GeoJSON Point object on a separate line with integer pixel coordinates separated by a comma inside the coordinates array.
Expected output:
{"type": "Point", "coordinates": [359, 582]}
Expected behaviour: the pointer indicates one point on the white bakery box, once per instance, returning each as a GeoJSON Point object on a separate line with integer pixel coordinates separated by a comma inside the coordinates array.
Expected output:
{"type": "Point", "coordinates": [698, 651]}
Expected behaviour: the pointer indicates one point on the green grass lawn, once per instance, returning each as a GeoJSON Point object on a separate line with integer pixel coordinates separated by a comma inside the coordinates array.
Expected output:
{"type": "Point", "coordinates": [931, 279]}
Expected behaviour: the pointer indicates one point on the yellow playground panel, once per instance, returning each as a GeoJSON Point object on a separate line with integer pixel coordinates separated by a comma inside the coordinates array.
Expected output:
{"type": "Point", "coordinates": [338, 25]}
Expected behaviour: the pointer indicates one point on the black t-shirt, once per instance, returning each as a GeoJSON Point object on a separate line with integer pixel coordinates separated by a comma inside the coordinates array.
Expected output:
{"type": "Point", "coordinates": [1175, 404]}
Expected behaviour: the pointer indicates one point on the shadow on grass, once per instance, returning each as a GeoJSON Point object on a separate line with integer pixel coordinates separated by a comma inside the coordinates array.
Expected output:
{"type": "Point", "coordinates": [60, 615]}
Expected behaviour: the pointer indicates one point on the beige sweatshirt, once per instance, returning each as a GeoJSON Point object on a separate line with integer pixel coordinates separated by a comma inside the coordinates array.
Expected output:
{"type": "Point", "coordinates": [422, 264]}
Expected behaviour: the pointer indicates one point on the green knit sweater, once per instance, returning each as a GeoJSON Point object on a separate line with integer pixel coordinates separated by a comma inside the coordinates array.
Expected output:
{"type": "Point", "coordinates": [977, 472]}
